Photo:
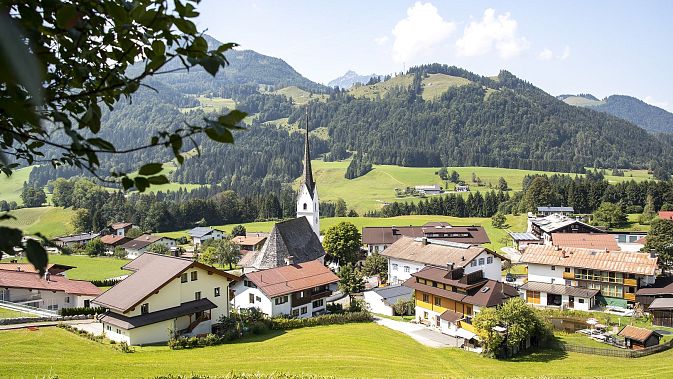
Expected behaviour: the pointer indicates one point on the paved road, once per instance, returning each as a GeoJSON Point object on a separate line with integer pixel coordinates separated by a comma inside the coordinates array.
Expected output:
{"type": "Point", "coordinates": [420, 333]}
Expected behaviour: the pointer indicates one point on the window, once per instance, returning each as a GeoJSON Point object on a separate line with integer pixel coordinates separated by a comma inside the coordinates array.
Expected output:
{"type": "Point", "coordinates": [318, 303]}
{"type": "Point", "coordinates": [426, 298]}
{"type": "Point", "coordinates": [567, 269]}
{"type": "Point", "coordinates": [280, 300]}
{"type": "Point", "coordinates": [258, 299]}
{"type": "Point", "coordinates": [305, 206]}
{"type": "Point", "coordinates": [481, 261]}
{"type": "Point", "coordinates": [67, 299]}
{"type": "Point", "coordinates": [183, 278]}
{"type": "Point", "coordinates": [145, 309]}
{"type": "Point", "coordinates": [489, 260]}
{"type": "Point", "coordinates": [248, 283]}
{"type": "Point", "coordinates": [394, 266]}
{"type": "Point", "coordinates": [87, 303]}
{"type": "Point", "coordinates": [195, 275]}
{"type": "Point", "coordinates": [197, 295]}
{"type": "Point", "coordinates": [118, 331]}
{"type": "Point", "coordinates": [295, 312]}
{"type": "Point", "coordinates": [581, 301]}
{"type": "Point", "coordinates": [406, 269]}
{"type": "Point", "coordinates": [425, 315]}
{"type": "Point", "coordinates": [473, 264]}
{"type": "Point", "coordinates": [301, 294]}
{"type": "Point", "coordinates": [438, 301]}
{"type": "Point", "coordinates": [108, 327]}
{"type": "Point", "coordinates": [251, 298]}
{"type": "Point", "coordinates": [217, 291]}
{"type": "Point", "coordinates": [553, 268]}
{"type": "Point", "coordinates": [304, 310]}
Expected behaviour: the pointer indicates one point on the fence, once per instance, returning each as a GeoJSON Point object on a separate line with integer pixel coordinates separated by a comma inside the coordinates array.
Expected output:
{"type": "Point", "coordinates": [618, 353]}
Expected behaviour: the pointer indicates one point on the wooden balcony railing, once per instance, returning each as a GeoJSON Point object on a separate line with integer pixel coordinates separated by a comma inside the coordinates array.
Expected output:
{"type": "Point", "coordinates": [630, 296]}
{"type": "Point", "coordinates": [568, 275]}
{"type": "Point", "coordinates": [631, 282]}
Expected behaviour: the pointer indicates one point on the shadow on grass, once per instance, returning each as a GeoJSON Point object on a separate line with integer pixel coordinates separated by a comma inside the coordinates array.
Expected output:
{"type": "Point", "coordinates": [539, 355]}
{"type": "Point", "coordinates": [250, 338]}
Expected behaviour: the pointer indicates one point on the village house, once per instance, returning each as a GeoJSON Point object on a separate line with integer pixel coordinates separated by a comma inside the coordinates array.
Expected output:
{"type": "Point", "coordinates": [24, 286]}
{"type": "Point", "coordinates": [163, 297]}
{"type": "Point", "coordinates": [666, 215]}
{"type": "Point", "coordinates": [661, 310]}
{"type": "Point", "coordinates": [382, 299]}
{"type": "Point", "coordinates": [448, 297]}
{"type": "Point", "coordinates": [52, 268]}
{"type": "Point", "coordinates": [201, 234]}
{"type": "Point", "coordinates": [522, 240]}
{"type": "Point", "coordinates": [544, 227]}
{"type": "Point", "coordinates": [294, 289]}
{"type": "Point", "coordinates": [378, 238]}
{"type": "Point", "coordinates": [409, 255]}
{"type": "Point", "coordinates": [636, 338]}
{"type": "Point", "coordinates": [429, 190]}
{"type": "Point", "coordinates": [585, 241]}
{"type": "Point", "coordinates": [547, 211]}
{"type": "Point", "coordinates": [250, 241]}
{"type": "Point", "coordinates": [118, 229]}
{"type": "Point", "coordinates": [580, 278]}
{"type": "Point", "coordinates": [75, 239]}
{"type": "Point", "coordinates": [112, 240]}
{"type": "Point", "coordinates": [661, 288]}
{"type": "Point", "coordinates": [462, 188]}
{"type": "Point", "coordinates": [142, 244]}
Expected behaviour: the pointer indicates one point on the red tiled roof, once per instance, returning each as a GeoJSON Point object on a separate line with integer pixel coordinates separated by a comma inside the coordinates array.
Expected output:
{"type": "Point", "coordinates": [292, 278]}
{"type": "Point", "coordinates": [52, 268]}
{"type": "Point", "coordinates": [29, 280]}
{"type": "Point", "coordinates": [386, 235]}
{"type": "Point", "coordinates": [666, 215]}
{"type": "Point", "coordinates": [585, 240]}
{"type": "Point", "coordinates": [434, 252]}
{"type": "Point", "coordinates": [636, 333]}
{"type": "Point", "coordinates": [248, 240]}
{"type": "Point", "coordinates": [113, 240]}
{"type": "Point", "coordinates": [120, 225]}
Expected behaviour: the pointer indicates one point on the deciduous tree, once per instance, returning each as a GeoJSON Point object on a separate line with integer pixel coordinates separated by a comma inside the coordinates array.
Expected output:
{"type": "Point", "coordinates": [342, 243]}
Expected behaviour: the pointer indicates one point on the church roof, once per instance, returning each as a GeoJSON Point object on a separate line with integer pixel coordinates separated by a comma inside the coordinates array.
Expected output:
{"type": "Point", "coordinates": [293, 238]}
{"type": "Point", "coordinates": [307, 177]}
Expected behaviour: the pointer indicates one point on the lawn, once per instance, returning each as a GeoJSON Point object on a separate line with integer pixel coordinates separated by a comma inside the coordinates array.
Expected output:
{"type": "Point", "coordinates": [88, 268]}
{"type": "Point", "coordinates": [11, 187]}
{"type": "Point", "coordinates": [354, 350]}
{"type": "Point", "coordinates": [10, 313]}
{"type": "Point", "coordinates": [499, 237]}
{"type": "Point", "coordinates": [50, 221]}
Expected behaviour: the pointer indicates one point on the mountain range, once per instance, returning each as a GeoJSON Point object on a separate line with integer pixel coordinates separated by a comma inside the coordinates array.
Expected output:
{"type": "Point", "coordinates": [350, 78]}
{"type": "Point", "coordinates": [433, 115]}
{"type": "Point", "coordinates": [649, 117]}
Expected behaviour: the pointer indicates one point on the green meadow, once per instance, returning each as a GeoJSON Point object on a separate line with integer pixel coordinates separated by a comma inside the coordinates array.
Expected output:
{"type": "Point", "coordinates": [87, 268]}
{"type": "Point", "coordinates": [50, 221]}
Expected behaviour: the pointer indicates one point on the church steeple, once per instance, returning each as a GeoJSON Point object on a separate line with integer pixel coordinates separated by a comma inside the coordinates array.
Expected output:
{"type": "Point", "coordinates": [308, 172]}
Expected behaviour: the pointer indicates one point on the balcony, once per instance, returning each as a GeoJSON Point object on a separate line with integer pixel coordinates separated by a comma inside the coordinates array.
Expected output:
{"type": "Point", "coordinates": [631, 282]}
{"type": "Point", "coordinates": [630, 296]}
{"type": "Point", "coordinates": [568, 275]}
{"type": "Point", "coordinates": [320, 295]}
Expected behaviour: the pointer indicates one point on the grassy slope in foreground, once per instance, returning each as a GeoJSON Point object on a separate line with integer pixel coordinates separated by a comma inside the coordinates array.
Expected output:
{"type": "Point", "coordinates": [496, 235]}
{"type": "Point", "coordinates": [10, 187]}
{"type": "Point", "coordinates": [88, 268]}
{"type": "Point", "coordinates": [370, 191]}
{"type": "Point", "coordinates": [354, 350]}
{"type": "Point", "coordinates": [50, 221]}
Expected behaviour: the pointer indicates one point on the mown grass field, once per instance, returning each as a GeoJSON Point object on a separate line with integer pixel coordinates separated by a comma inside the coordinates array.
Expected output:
{"type": "Point", "coordinates": [299, 96]}
{"type": "Point", "coordinates": [342, 351]}
{"type": "Point", "coordinates": [10, 187]}
{"type": "Point", "coordinates": [371, 191]}
{"type": "Point", "coordinates": [499, 237]}
{"type": "Point", "coordinates": [87, 268]}
{"type": "Point", "coordinates": [212, 104]}
{"type": "Point", "coordinates": [10, 313]}
{"type": "Point", "coordinates": [50, 221]}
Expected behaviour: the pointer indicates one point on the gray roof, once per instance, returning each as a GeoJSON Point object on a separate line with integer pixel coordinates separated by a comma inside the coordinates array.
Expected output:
{"type": "Point", "coordinates": [78, 237]}
{"type": "Point", "coordinates": [662, 303]}
{"type": "Point", "coordinates": [392, 294]}
{"type": "Point", "coordinates": [524, 236]}
{"type": "Point", "coordinates": [555, 209]}
{"type": "Point", "coordinates": [294, 238]}
{"type": "Point", "coordinates": [154, 317]}
{"type": "Point", "coordinates": [200, 231]}
{"type": "Point", "coordinates": [559, 289]}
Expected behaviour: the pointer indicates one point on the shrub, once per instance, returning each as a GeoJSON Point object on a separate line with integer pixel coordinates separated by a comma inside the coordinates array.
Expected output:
{"type": "Point", "coordinates": [80, 311]}
{"type": "Point", "coordinates": [335, 308]}
{"type": "Point", "coordinates": [125, 348]}
{"type": "Point", "coordinates": [105, 282]}
{"type": "Point", "coordinates": [282, 323]}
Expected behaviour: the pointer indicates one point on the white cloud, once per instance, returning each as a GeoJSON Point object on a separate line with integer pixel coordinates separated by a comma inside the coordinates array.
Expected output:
{"type": "Point", "coordinates": [566, 53]}
{"type": "Point", "coordinates": [661, 104]}
{"type": "Point", "coordinates": [419, 32]}
{"type": "Point", "coordinates": [497, 32]}
{"type": "Point", "coordinates": [545, 55]}
{"type": "Point", "coordinates": [381, 40]}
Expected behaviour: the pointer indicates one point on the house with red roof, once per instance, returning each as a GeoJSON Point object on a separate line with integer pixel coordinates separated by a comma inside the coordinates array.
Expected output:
{"type": "Point", "coordinates": [666, 215]}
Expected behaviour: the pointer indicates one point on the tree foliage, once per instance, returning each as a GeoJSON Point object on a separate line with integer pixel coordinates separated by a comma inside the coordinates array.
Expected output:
{"type": "Point", "coordinates": [342, 243]}
{"type": "Point", "coordinates": [376, 264]}
{"type": "Point", "coordinates": [221, 252]}
{"type": "Point", "coordinates": [351, 280]}
{"type": "Point", "coordinates": [660, 239]}
{"type": "Point", "coordinates": [609, 215]}
{"type": "Point", "coordinates": [238, 230]}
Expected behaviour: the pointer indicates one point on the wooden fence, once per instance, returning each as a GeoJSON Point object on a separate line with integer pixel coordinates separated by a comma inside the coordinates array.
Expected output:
{"type": "Point", "coordinates": [621, 353]}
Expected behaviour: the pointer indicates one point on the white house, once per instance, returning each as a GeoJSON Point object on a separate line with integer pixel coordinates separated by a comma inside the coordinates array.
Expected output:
{"type": "Point", "coordinates": [381, 300]}
{"type": "Point", "coordinates": [434, 189]}
{"type": "Point", "coordinates": [579, 278]}
{"type": "Point", "coordinates": [298, 290]}
{"type": "Point", "coordinates": [142, 244]}
{"type": "Point", "coordinates": [202, 234]}
{"type": "Point", "coordinates": [165, 296]}
{"type": "Point", "coordinates": [308, 203]}
{"type": "Point", "coordinates": [120, 228]}
{"type": "Point", "coordinates": [52, 292]}
{"type": "Point", "coordinates": [409, 255]}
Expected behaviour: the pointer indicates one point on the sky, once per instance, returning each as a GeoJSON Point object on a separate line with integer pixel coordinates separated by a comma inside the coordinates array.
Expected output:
{"type": "Point", "coordinates": [564, 47]}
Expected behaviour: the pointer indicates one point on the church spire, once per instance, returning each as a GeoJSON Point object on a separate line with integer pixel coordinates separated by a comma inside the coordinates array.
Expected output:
{"type": "Point", "coordinates": [308, 172]}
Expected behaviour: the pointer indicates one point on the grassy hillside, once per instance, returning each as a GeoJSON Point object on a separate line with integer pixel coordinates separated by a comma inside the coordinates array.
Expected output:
{"type": "Point", "coordinates": [298, 95]}
{"type": "Point", "coordinates": [88, 268]}
{"type": "Point", "coordinates": [377, 187]}
{"type": "Point", "coordinates": [212, 104]}
{"type": "Point", "coordinates": [433, 86]}
{"type": "Point", "coordinates": [340, 351]}
{"type": "Point", "coordinates": [581, 101]}
{"type": "Point", "coordinates": [436, 84]}
{"type": "Point", "coordinates": [10, 187]}
{"type": "Point", "coordinates": [498, 236]}
{"type": "Point", "coordinates": [50, 221]}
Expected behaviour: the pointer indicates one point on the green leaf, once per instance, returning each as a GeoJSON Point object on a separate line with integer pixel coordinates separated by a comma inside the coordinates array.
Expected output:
{"type": "Point", "coordinates": [127, 182]}
{"type": "Point", "coordinates": [103, 144]}
{"type": "Point", "coordinates": [66, 16]}
{"type": "Point", "coordinates": [219, 134]}
{"type": "Point", "coordinates": [150, 169]}
{"type": "Point", "coordinates": [232, 118]}
{"type": "Point", "coordinates": [9, 238]}
{"type": "Point", "coordinates": [158, 47]}
{"type": "Point", "coordinates": [141, 183]}
{"type": "Point", "coordinates": [17, 59]}
{"type": "Point", "coordinates": [185, 26]}
{"type": "Point", "coordinates": [159, 179]}
{"type": "Point", "coordinates": [37, 255]}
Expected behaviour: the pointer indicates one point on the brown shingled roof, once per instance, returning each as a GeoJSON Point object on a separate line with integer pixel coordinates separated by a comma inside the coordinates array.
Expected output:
{"type": "Point", "coordinates": [52, 268]}
{"type": "Point", "coordinates": [248, 240]}
{"type": "Point", "coordinates": [29, 280]}
{"type": "Point", "coordinates": [585, 241]}
{"type": "Point", "coordinates": [616, 261]}
{"type": "Point", "coordinates": [284, 280]}
{"type": "Point", "coordinates": [120, 225]}
{"type": "Point", "coordinates": [114, 240]}
{"type": "Point", "coordinates": [636, 333]}
{"type": "Point", "coordinates": [386, 235]}
{"type": "Point", "coordinates": [432, 253]}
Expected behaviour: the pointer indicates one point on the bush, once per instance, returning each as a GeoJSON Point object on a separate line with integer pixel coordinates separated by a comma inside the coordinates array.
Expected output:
{"type": "Point", "coordinates": [335, 308]}
{"type": "Point", "coordinates": [105, 282]}
{"type": "Point", "coordinates": [634, 209]}
{"type": "Point", "coordinates": [81, 311]}
{"type": "Point", "coordinates": [282, 323]}
{"type": "Point", "coordinates": [404, 308]}
{"type": "Point", "coordinates": [125, 348]}
{"type": "Point", "coordinates": [82, 333]}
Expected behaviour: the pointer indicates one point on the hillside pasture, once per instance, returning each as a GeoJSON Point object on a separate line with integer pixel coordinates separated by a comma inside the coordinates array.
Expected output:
{"type": "Point", "coordinates": [11, 186]}
{"type": "Point", "coordinates": [87, 268]}
{"type": "Point", "coordinates": [299, 96]}
{"type": "Point", "coordinates": [50, 221]}
{"type": "Point", "coordinates": [212, 104]}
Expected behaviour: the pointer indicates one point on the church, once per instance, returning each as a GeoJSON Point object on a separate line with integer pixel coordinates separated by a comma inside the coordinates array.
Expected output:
{"type": "Point", "coordinates": [308, 203]}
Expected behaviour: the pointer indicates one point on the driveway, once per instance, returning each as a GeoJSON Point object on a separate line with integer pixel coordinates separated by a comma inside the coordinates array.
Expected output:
{"type": "Point", "coordinates": [95, 328]}
{"type": "Point", "coordinates": [420, 333]}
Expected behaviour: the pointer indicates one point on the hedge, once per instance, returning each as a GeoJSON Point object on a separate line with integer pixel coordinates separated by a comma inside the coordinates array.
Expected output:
{"type": "Point", "coordinates": [105, 282]}
{"type": "Point", "coordinates": [80, 311]}
{"type": "Point", "coordinates": [282, 323]}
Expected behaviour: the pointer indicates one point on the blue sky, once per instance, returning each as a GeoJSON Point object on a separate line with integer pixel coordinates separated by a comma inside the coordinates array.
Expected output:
{"type": "Point", "coordinates": [598, 47]}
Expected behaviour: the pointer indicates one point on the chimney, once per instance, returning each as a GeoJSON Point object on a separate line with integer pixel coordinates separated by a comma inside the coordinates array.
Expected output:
{"type": "Point", "coordinates": [424, 241]}
{"type": "Point", "coordinates": [395, 231]}
{"type": "Point", "coordinates": [289, 261]}
{"type": "Point", "coordinates": [449, 266]}
{"type": "Point", "coordinates": [47, 276]}
{"type": "Point", "coordinates": [653, 253]}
